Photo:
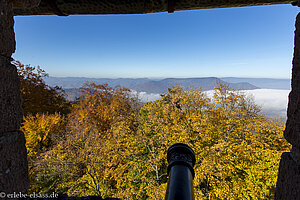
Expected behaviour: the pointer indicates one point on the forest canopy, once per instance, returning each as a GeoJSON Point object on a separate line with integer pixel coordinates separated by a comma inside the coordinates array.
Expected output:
{"type": "Point", "coordinates": [110, 144]}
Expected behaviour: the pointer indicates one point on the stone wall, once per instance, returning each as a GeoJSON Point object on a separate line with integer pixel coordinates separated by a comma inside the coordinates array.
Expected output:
{"type": "Point", "coordinates": [71, 7]}
{"type": "Point", "coordinates": [288, 183]}
{"type": "Point", "coordinates": [13, 165]}
{"type": "Point", "coordinates": [10, 98]}
{"type": "Point", "coordinates": [13, 154]}
{"type": "Point", "coordinates": [7, 34]}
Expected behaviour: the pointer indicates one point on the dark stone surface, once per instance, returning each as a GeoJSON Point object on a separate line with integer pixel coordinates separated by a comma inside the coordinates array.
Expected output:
{"type": "Point", "coordinates": [292, 131]}
{"type": "Point", "coordinates": [13, 165]}
{"type": "Point", "coordinates": [13, 154]}
{"type": "Point", "coordinates": [7, 34]}
{"type": "Point", "coordinates": [65, 7]}
{"type": "Point", "coordinates": [288, 183]}
{"type": "Point", "coordinates": [26, 3]}
{"type": "Point", "coordinates": [11, 113]}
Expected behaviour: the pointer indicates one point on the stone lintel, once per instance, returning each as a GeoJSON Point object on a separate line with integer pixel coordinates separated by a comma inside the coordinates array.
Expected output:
{"type": "Point", "coordinates": [26, 3]}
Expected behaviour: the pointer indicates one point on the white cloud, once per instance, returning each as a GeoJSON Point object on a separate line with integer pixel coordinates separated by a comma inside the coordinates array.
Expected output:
{"type": "Point", "coordinates": [272, 101]}
{"type": "Point", "coordinates": [146, 97]}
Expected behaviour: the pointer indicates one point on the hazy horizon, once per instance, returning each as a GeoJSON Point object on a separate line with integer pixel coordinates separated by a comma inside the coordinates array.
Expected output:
{"type": "Point", "coordinates": [167, 77]}
{"type": "Point", "coordinates": [273, 101]}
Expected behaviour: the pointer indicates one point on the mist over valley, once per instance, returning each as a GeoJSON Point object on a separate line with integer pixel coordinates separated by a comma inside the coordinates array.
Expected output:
{"type": "Point", "coordinates": [271, 95]}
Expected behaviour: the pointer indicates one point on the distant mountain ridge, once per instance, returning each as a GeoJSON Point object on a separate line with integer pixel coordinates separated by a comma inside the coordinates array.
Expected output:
{"type": "Point", "coordinates": [72, 84]}
{"type": "Point", "coordinates": [207, 83]}
{"type": "Point", "coordinates": [148, 85]}
{"type": "Point", "coordinates": [78, 82]}
{"type": "Point", "coordinates": [264, 83]}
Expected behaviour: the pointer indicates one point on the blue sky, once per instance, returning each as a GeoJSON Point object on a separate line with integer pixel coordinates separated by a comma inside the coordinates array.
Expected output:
{"type": "Point", "coordinates": [239, 42]}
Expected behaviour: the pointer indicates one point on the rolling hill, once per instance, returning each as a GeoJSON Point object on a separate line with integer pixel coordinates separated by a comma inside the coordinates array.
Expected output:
{"type": "Point", "coordinates": [71, 84]}
{"type": "Point", "coordinates": [264, 83]}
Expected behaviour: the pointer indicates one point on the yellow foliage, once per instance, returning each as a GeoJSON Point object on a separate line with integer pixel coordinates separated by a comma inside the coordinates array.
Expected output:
{"type": "Point", "coordinates": [42, 133]}
{"type": "Point", "coordinates": [115, 148]}
{"type": "Point", "coordinates": [237, 149]}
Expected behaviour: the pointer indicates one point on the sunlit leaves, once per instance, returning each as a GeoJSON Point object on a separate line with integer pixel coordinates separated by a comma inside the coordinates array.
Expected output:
{"type": "Point", "coordinates": [237, 149]}
{"type": "Point", "coordinates": [113, 147]}
{"type": "Point", "coordinates": [42, 132]}
{"type": "Point", "coordinates": [95, 152]}
{"type": "Point", "coordinates": [37, 96]}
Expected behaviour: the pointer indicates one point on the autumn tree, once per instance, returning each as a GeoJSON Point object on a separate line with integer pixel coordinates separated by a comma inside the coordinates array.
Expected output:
{"type": "Point", "coordinates": [112, 147]}
{"type": "Point", "coordinates": [42, 132]}
{"type": "Point", "coordinates": [44, 123]}
{"type": "Point", "coordinates": [96, 147]}
{"type": "Point", "coordinates": [237, 149]}
{"type": "Point", "coordinates": [37, 96]}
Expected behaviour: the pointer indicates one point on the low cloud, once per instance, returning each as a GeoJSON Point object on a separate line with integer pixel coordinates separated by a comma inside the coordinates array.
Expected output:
{"type": "Point", "coordinates": [271, 101]}
{"type": "Point", "coordinates": [146, 97]}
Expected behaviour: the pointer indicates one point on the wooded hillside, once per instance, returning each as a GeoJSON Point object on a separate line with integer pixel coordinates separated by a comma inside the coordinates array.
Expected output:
{"type": "Point", "coordinates": [111, 145]}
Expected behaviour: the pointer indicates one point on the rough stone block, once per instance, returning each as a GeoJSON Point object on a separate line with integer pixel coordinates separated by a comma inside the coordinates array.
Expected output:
{"type": "Point", "coordinates": [7, 34]}
{"type": "Point", "coordinates": [288, 182]}
{"type": "Point", "coordinates": [292, 131]}
{"type": "Point", "coordinates": [25, 3]}
{"type": "Point", "coordinates": [13, 165]}
{"type": "Point", "coordinates": [11, 113]}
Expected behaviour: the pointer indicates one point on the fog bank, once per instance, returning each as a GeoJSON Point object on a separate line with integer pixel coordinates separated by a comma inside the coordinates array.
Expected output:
{"type": "Point", "coordinates": [273, 102]}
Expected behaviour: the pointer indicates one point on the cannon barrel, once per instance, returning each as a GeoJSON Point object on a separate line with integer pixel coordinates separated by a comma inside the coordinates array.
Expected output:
{"type": "Point", "coordinates": [181, 159]}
